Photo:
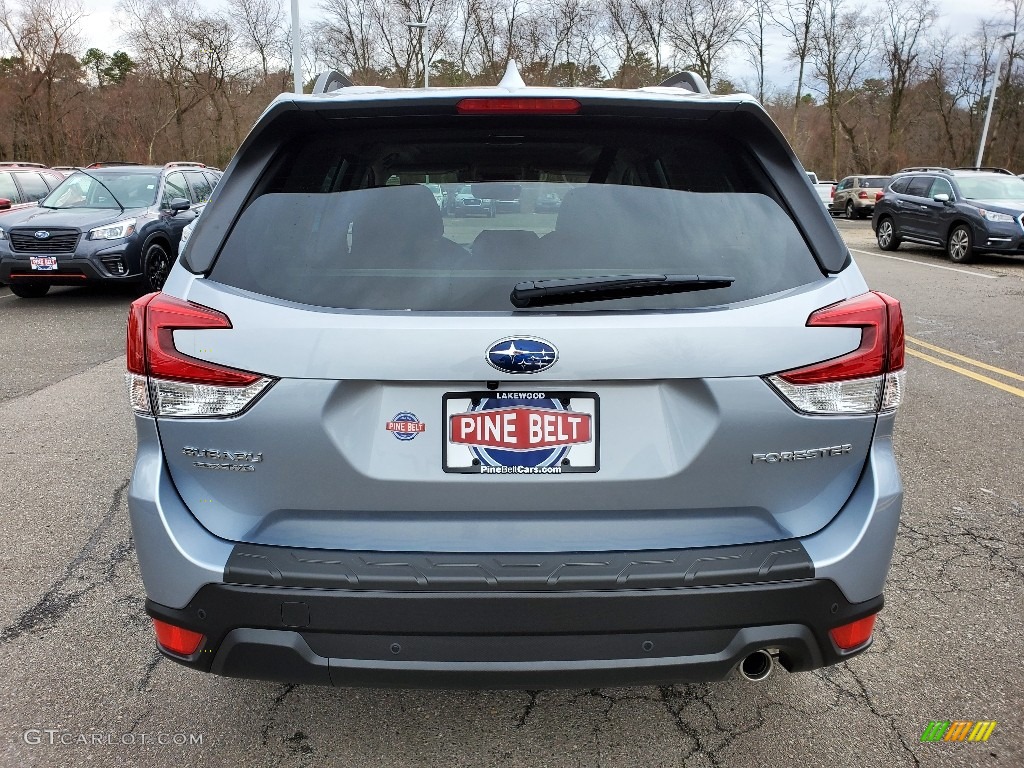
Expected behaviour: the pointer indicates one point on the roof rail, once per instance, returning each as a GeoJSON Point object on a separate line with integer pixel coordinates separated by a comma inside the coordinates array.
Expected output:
{"type": "Point", "coordinates": [331, 80]}
{"type": "Point", "coordinates": [108, 163]}
{"type": "Point", "coordinates": [689, 81]}
{"type": "Point", "coordinates": [20, 164]}
{"type": "Point", "coordinates": [184, 164]}
{"type": "Point", "coordinates": [984, 168]}
{"type": "Point", "coordinates": [924, 169]}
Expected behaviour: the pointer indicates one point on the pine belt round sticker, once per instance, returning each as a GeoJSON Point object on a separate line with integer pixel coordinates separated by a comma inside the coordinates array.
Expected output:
{"type": "Point", "coordinates": [405, 426]}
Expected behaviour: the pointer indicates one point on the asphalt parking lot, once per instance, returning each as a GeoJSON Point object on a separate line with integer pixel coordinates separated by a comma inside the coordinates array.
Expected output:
{"type": "Point", "coordinates": [84, 683]}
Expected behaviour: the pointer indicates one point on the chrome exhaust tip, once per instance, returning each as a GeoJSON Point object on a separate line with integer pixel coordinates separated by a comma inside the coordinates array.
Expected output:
{"type": "Point", "coordinates": [757, 666]}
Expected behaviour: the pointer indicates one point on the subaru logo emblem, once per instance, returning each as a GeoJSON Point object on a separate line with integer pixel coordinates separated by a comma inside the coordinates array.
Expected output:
{"type": "Point", "coordinates": [521, 354]}
{"type": "Point", "coordinates": [42, 234]}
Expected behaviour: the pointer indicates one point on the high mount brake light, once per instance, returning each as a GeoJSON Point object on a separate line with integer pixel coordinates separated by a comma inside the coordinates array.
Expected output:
{"type": "Point", "coordinates": [518, 106]}
{"type": "Point", "coordinates": [164, 382]}
{"type": "Point", "coordinates": [866, 380]}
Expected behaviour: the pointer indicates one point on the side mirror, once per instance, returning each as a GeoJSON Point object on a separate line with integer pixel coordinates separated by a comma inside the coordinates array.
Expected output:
{"type": "Point", "coordinates": [941, 198]}
{"type": "Point", "coordinates": [5, 204]}
{"type": "Point", "coordinates": [179, 204]}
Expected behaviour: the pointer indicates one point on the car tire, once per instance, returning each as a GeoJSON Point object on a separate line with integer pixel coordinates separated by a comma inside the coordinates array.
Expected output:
{"type": "Point", "coordinates": [156, 265]}
{"type": "Point", "coordinates": [851, 212]}
{"type": "Point", "coordinates": [960, 244]}
{"type": "Point", "coordinates": [886, 235]}
{"type": "Point", "coordinates": [30, 290]}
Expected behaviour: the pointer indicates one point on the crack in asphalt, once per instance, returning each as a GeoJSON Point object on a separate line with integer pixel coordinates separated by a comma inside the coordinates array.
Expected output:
{"type": "Point", "coordinates": [889, 719]}
{"type": "Point", "coordinates": [57, 601]}
{"type": "Point", "coordinates": [268, 719]}
{"type": "Point", "coordinates": [527, 710]}
{"type": "Point", "coordinates": [673, 701]}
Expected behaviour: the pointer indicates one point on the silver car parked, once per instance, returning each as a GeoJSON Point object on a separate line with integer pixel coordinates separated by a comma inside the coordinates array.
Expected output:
{"type": "Point", "coordinates": [642, 437]}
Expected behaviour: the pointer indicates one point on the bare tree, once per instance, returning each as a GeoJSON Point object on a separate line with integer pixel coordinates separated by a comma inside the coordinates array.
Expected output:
{"type": "Point", "coordinates": [904, 27]}
{"type": "Point", "coordinates": [703, 30]}
{"type": "Point", "coordinates": [348, 35]}
{"type": "Point", "coordinates": [759, 22]}
{"type": "Point", "coordinates": [838, 53]}
{"type": "Point", "coordinates": [261, 26]}
{"type": "Point", "coordinates": [953, 87]}
{"type": "Point", "coordinates": [185, 49]}
{"type": "Point", "coordinates": [44, 39]}
{"type": "Point", "coordinates": [796, 18]}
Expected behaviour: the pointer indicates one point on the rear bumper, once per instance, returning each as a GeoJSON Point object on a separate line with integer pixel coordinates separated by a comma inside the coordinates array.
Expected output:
{"type": "Point", "coordinates": [510, 620]}
{"type": "Point", "coordinates": [511, 640]}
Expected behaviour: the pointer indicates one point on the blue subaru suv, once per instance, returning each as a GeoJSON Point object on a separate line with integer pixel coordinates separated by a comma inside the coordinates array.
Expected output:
{"type": "Point", "coordinates": [643, 438]}
{"type": "Point", "coordinates": [964, 211]}
{"type": "Point", "coordinates": [109, 224]}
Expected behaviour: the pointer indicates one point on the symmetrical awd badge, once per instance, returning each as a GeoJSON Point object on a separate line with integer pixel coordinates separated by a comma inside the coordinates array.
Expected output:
{"type": "Point", "coordinates": [521, 354]}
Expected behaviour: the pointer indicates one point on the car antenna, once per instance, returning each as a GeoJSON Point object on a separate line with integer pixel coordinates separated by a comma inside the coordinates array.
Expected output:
{"type": "Point", "coordinates": [512, 79]}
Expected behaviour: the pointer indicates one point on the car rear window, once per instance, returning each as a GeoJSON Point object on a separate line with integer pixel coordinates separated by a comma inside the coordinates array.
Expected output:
{"type": "Point", "coordinates": [875, 182]}
{"type": "Point", "coordinates": [350, 218]}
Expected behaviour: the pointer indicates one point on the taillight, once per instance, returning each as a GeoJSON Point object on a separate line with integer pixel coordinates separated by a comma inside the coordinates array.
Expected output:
{"type": "Point", "coordinates": [867, 380]}
{"type": "Point", "coordinates": [855, 634]}
{"type": "Point", "coordinates": [879, 196]}
{"type": "Point", "coordinates": [832, 192]}
{"type": "Point", "coordinates": [518, 106]}
{"type": "Point", "coordinates": [179, 640]}
{"type": "Point", "coordinates": [164, 382]}
{"type": "Point", "coordinates": [862, 195]}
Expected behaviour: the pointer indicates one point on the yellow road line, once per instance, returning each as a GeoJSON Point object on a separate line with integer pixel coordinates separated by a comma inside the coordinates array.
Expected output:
{"type": "Point", "coordinates": [970, 374]}
{"type": "Point", "coordinates": [969, 361]}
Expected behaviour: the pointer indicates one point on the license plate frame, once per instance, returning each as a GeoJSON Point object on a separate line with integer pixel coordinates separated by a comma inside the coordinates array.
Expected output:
{"type": "Point", "coordinates": [458, 457]}
{"type": "Point", "coordinates": [43, 263]}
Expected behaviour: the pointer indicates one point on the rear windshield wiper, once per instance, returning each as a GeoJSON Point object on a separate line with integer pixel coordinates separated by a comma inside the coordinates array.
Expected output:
{"type": "Point", "coordinates": [570, 290]}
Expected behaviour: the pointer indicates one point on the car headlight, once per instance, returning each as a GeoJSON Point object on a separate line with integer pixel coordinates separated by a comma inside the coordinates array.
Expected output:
{"type": "Point", "coordinates": [115, 231]}
{"type": "Point", "coordinates": [995, 216]}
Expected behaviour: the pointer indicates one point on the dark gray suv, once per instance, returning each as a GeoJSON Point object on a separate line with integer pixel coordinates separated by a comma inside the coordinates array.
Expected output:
{"type": "Point", "coordinates": [642, 437]}
{"type": "Point", "coordinates": [963, 211]}
{"type": "Point", "coordinates": [109, 224]}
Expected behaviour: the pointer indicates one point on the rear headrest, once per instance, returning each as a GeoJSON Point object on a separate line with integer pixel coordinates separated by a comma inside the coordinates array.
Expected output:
{"type": "Point", "coordinates": [586, 211]}
{"type": "Point", "coordinates": [395, 218]}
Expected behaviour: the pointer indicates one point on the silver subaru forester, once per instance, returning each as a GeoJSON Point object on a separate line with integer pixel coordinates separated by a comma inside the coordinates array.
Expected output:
{"type": "Point", "coordinates": [642, 437]}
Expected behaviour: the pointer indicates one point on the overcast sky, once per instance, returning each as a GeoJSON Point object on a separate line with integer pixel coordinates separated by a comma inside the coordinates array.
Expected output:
{"type": "Point", "coordinates": [102, 31]}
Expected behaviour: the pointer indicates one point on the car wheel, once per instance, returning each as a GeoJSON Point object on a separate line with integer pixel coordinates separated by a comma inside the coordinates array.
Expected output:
{"type": "Point", "coordinates": [959, 246]}
{"type": "Point", "coordinates": [851, 212]}
{"type": "Point", "coordinates": [156, 266]}
{"type": "Point", "coordinates": [886, 235]}
{"type": "Point", "coordinates": [30, 290]}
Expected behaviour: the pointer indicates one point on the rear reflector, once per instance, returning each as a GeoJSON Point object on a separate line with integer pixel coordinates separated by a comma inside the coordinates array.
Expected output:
{"type": "Point", "coordinates": [855, 634]}
{"type": "Point", "coordinates": [164, 382]}
{"type": "Point", "coordinates": [867, 380]}
{"type": "Point", "coordinates": [518, 106]}
{"type": "Point", "coordinates": [183, 642]}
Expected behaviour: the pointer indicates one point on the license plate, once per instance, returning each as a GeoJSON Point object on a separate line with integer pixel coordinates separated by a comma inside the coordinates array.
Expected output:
{"type": "Point", "coordinates": [44, 263]}
{"type": "Point", "coordinates": [520, 432]}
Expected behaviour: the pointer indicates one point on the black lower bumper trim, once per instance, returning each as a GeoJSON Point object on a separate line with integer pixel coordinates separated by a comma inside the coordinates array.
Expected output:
{"type": "Point", "coordinates": [512, 639]}
{"type": "Point", "coordinates": [453, 572]}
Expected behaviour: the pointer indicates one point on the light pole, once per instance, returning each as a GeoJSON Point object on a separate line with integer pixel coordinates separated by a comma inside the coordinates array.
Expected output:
{"type": "Point", "coordinates": [296, 47]}
{"type": "Point", "coordinates": [425, 45]}
{"type": "Point", "coordinates": [992, 95]}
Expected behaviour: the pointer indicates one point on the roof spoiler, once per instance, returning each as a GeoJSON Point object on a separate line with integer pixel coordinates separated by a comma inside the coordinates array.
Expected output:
{"type": "Point", "coordinates": [689, 81]}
